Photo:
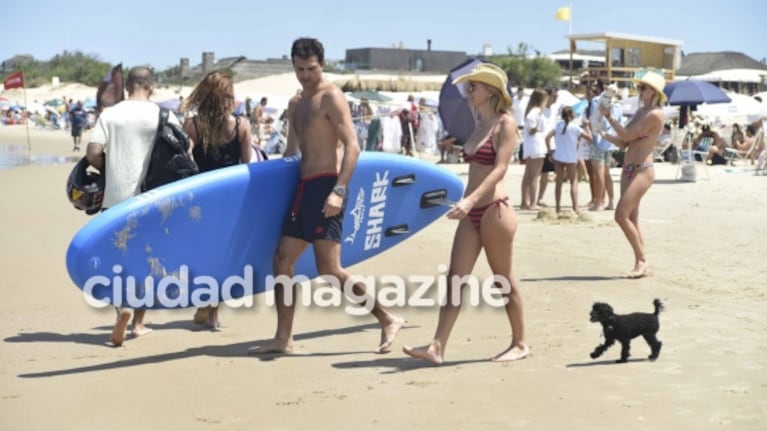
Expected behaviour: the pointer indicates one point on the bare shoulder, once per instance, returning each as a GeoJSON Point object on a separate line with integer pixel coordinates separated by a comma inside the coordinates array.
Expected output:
{"type": "Point", "coordinates": [657, 114]}
{"type": "Point", "coordinates": [294, 101]}
{"type": "Point", "coordinates": [331, 93]}
{"type": "Point", "coordinates": [507, 122]}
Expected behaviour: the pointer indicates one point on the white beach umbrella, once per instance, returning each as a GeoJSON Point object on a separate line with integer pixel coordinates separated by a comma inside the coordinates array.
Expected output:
{"type": "Point", "coordinates": [742, 109]}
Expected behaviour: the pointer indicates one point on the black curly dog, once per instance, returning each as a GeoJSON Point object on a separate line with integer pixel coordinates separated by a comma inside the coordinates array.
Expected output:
{"type": "Point", "coordinates": [625, 327]}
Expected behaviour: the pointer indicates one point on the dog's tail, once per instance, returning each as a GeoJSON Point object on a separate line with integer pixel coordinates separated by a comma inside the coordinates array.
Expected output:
{"type": "Point", "coordinates": [658, 306]}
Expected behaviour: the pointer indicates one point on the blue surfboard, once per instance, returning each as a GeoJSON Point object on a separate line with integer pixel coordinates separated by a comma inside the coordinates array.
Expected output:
{"type": "Point", "coordinates": [166, 248]}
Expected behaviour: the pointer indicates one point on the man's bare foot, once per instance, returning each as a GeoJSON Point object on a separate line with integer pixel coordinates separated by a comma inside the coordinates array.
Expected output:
{"type": "Point", "coordinates": [639, 271]}
{"type": "Point", "coordinates": [430, 353]}
{"type": "Point", "coordinates": [388, 332]}
{"type": "Point", "coordinates": [513, 353]}
{"type": "Point", "coordinates": [272, 346]}
{"type": "Point", "coordinates": [610, 207]}
{"type": "Point", "coordinates": [541, 204]}
{"type": "Point", "coordinates": [140, 330]}
{"type": "Point", "coordinates": [576, 210]}
{"type": "Point", "coordinates": [118, 333]}
{"type": "Point", "coordinates": [596, 208]}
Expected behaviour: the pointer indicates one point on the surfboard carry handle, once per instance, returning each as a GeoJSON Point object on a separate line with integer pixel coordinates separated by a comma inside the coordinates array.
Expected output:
{"type": "Point", "coordinates": [397, 230]}
{"type": "Point", "coordinates": [435, 198]}
{"type": "Point", "coordinates": [403, 180]}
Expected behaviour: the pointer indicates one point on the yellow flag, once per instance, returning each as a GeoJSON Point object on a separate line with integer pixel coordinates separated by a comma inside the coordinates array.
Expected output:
{"type": "Point", "coordinates": [563, 14]}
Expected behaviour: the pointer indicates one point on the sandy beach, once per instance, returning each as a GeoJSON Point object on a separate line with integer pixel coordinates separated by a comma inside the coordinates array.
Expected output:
{"type": "Point", "coordinates": [706, 249]}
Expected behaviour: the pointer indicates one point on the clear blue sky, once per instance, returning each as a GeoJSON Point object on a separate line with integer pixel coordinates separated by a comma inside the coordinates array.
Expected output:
{"type": "Point", "coordinates": [160, 32]}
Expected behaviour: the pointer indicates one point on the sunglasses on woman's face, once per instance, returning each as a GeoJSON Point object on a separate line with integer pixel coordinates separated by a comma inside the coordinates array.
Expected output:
{"type": "Point", "coordinates": [642, 87]}
{"type": "Point", "coordinates": [471, 86]}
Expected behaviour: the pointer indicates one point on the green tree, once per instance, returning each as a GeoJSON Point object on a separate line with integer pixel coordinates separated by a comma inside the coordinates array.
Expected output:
{"type": "Point", "coordinates": [68, 66]}
{"type": "Point", "coordinates": [529, 70]}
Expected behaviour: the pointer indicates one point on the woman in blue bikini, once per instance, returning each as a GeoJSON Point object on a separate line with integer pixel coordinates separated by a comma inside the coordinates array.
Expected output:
{"type": "Point", "coordinates": [638, 139]}
{"type": "Point", "coordinates": [487, 221]}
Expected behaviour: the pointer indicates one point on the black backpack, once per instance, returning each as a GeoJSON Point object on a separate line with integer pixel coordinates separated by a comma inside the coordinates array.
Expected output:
{"type": "Point", "coordinates": [170, 160]}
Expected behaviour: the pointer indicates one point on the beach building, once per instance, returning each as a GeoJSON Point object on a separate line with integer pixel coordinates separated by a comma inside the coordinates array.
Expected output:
{"type": "Point", "coordinates": [729, 70]}
{"type": "Point", "coordinates": [400, 59]}
{"type": "Point", "coordinates": [242, 67]}
{"type": "Point", "coordinates": [625, 55]}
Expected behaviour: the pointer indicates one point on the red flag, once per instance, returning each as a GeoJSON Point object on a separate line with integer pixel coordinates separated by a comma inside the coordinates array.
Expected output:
{"type": "Point", "coordinates": [110, 91]}
{"type": "Point", "coordinates": [14, 80]}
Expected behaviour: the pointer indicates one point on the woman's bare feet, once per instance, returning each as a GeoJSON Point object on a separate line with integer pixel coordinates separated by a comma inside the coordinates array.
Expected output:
{"type": "Point", "coordinates": [139, 330]}
{"type": "Point", "coordinates": [272, 346]}
{"type": "Point", "coordinates": [213, 323]}
{"type": "Point", "coordinates": [430, 353]}
{"type": "Point", "coordinates": [596, 208]}
{"type": "Point", "coordinates": [515, 352]}
{"type": "Point", "coordinates": [201, 315]}
{"type": "Point", "coordinates": [388, 333]}
{"type": "Point", "coordinates": [639, 271]}
{"type": "Point", "coordinates": [118, 333]}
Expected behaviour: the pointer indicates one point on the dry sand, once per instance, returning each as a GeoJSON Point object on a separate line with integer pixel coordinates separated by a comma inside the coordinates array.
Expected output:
{"type": "Point", "coordinates": [706, 247]}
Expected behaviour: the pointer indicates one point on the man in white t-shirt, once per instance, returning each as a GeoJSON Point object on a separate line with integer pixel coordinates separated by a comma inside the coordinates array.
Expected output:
{"type": "Point", "coordinates": [120, 146]}
{"type": "Point", "coordinates": [551, 114]}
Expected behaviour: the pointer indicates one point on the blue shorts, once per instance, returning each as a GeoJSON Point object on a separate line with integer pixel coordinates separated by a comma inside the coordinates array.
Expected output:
{"type": "Point", "coordinates": [305, 220]}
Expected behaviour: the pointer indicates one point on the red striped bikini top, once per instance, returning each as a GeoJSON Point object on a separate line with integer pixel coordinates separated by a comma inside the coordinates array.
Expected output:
{"type": "Point", "coordinates": [485, 154]}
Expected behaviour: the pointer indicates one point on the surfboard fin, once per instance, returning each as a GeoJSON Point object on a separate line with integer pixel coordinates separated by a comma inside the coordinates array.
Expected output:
{"type": "Point", "coordinates": [397, 230]}
{"type": "Point", "coordinates": [435, 198]}
{"type": "Point", "coordinates": [403, 180]}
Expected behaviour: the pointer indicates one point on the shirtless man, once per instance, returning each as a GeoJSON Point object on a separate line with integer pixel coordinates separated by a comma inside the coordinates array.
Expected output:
{"type": "Point", "coordinates": [323, 134]}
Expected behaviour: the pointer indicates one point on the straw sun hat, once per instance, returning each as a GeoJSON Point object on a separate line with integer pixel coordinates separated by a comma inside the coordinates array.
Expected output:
{"type": "Point", "coordinates": [656, 82]}
{"type": "Point", "coordinates": [489, 74]}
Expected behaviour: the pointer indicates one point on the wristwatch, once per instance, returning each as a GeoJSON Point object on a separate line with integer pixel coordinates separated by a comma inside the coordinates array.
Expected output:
{"type": "Point", "coordinates": [340, 190]}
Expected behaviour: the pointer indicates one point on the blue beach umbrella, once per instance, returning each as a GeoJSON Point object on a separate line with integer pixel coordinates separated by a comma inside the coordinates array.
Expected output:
{"type": "Point", "coordinates": [694, 92]}
{"type": "Point", "coordinates": [454, 110]}
{"type": "Point", "coordinates": [580, 106]}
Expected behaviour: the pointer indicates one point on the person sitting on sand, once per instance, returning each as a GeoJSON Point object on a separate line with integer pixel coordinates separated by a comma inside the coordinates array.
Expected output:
{"type": "Point", "coordinates": [486, 220]}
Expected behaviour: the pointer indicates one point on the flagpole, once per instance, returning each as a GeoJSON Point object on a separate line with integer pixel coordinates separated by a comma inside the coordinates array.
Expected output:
{"type": "Point", "coordinates": [26, 105]}
{"type": "Point", "coordinates": [570, 34]}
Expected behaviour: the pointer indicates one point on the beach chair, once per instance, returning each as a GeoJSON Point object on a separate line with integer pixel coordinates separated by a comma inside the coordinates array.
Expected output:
{"type": "Point", "coordinates": [686, 171]}
{"type": "Point", "coordinates": [659, 150]}
{"type": "Point", "coordinates": [732, 155]}
{"type": "Point", "coordinates": [676, 144]}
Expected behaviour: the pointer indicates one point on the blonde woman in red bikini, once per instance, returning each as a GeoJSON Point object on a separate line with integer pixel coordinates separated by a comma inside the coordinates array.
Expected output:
{"type": "Point", "coordinates": [638, 139]}
{"type": "Point", "coordinates": [487, 221]}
